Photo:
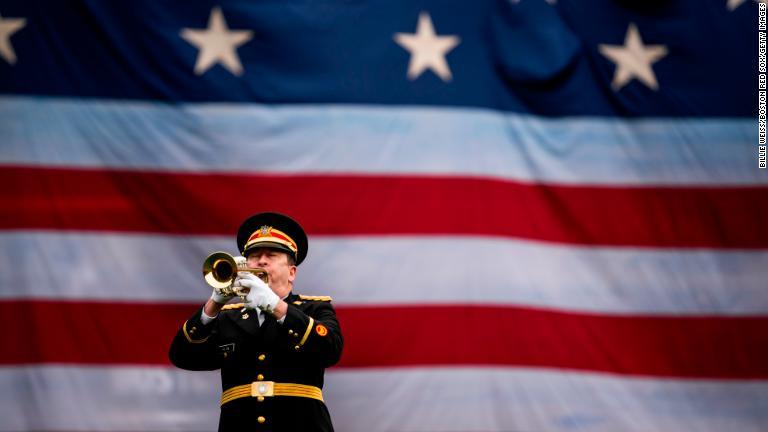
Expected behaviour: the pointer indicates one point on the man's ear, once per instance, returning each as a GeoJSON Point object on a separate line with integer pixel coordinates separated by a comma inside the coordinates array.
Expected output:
{"type": "Point", "coordinates": [292, 273]}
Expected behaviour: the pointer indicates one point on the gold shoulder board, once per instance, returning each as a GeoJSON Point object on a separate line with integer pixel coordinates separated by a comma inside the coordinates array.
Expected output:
{"type": "Point", "coordinates": [315, 298]}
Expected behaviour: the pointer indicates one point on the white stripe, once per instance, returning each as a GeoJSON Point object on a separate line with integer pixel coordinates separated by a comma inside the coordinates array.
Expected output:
{"type": "Point", "coordinates": [158, 399]}
{"type": "Point", "coordinates": [375, 139]}
{"type": "Point", "coordinates": [497, 399]}
{"type": "Point", "coordinates": [59, 398]}
{"type": "Point", "coordinates": [398, 270]}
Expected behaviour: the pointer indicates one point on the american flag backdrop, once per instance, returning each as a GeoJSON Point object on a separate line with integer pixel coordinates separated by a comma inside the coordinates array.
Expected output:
{"type": "Point", "coordinates": [531, 215]}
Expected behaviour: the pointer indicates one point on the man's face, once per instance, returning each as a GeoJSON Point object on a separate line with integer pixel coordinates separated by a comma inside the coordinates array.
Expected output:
{"type": "Point", "coordinates": [281, 272]}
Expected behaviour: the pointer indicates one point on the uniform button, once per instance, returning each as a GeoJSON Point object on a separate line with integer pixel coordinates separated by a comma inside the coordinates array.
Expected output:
{"type": "Point", "coordinates": [296, 347]}
{"type": "Point", "coordinates": [260, 398]}
{"type": "Point", "coordinates": [290, 332]}
{"type": "Point", "coordinates": [261, 419]}
{"type": "Point", "coordinates": [260, 377]}
{"type": "Point", "coordinates": [262, 357]}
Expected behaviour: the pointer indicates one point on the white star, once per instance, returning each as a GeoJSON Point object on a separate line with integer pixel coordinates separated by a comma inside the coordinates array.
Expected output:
{"type": "Point", "coordinates": [217, 44]}
{"type": "Point", "coordinates": [633, 59]}
{"type": "Point", "coordinates": [427, 50]}
{"type": "Point", "coordinates": [8, 27]}
{"type": "Point", "coordinates": [733, 4]}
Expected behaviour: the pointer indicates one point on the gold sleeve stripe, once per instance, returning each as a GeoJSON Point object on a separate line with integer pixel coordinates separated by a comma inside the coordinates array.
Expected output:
{"type": "Point", "coordinates": [189, 339]}
{"type": "Point", "coordinates": [233, 306]}
{"type": "Point", "coordinates": [316, 298]}
{"type": "Point", "coordinates": [306, 333]}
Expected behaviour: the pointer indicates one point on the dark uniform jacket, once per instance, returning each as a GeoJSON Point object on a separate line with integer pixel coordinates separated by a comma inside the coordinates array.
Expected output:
{"type": "Point", "coordinates": [296, 351]}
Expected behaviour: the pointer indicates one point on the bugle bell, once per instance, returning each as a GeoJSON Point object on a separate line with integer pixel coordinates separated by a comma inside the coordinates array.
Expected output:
{"type": "Point", "coordinates": [220, 270]}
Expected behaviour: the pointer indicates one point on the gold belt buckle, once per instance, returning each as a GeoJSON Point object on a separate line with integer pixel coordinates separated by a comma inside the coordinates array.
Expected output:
{"type": "Point", "coordinates": [262, 388]}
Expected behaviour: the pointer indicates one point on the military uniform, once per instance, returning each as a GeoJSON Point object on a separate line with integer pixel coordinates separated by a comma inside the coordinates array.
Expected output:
{"type": "Point", "coordinates": [277, 355]}
{"type": "Point", "coordinates": [271, 374]}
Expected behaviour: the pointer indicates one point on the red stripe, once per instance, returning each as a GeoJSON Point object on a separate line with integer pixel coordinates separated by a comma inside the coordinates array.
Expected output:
{"type": "Point", "coordinates": [692, 347]}
{"type": "Point", "coordinates": [47, 198]}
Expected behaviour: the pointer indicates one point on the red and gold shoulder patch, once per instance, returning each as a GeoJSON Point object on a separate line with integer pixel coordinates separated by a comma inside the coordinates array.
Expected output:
{"type": "Point", "coordinates": [321, 330]}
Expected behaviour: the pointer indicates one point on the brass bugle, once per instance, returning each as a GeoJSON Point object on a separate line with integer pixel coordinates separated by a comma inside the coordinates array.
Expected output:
{"type": "Point", "coordinates": [220, 270]}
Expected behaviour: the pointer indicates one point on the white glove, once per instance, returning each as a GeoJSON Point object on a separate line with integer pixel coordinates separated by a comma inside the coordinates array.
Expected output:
{"type": "Point", "coordinates": [260, 295]}
{"type": "Point", "coordinates": [219, 298]}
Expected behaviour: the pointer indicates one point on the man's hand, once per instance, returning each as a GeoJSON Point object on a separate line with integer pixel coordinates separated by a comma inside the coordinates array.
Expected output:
{"type": "Point", "coordinates": [220, 298]}
{"type": "Point", "coordinates": [260, 295]}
